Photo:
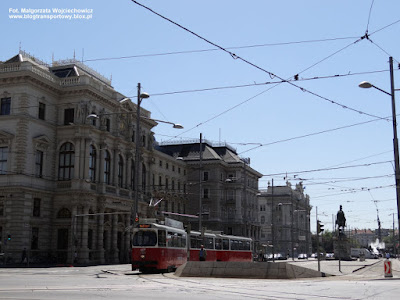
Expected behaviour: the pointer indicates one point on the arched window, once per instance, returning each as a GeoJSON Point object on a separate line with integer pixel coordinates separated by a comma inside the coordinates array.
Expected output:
{"type": "Point", "coordinates": [92, 163]}
{"type": "Point", "coordinates": [107, 167]}
{"type": "Point", "coordinates": [132, 174]}
{"type": "Point", "coordinates": [120, 171]}
{"type": "Point", "coordinates": [262, 219]}
{"type": "Point", "coordinates": [64, 213]}
{"type": "Point", "coordinates": [66, 162]}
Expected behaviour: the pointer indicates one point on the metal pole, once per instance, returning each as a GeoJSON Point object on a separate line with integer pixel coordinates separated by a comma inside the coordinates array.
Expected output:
{"type": "Point", "coordinates": [200, 183]}
{"type": "Point", "coordinates": [292, 211]}
{"type": "Point", "coordinates": [394, 245]}
{"type": "Point", "coordinates": [319, 266]}
{"type": "Point", "coordinates": [272, 222]}
{"type": "Point", "coordinates": [138, 141]}
{"type": "Point", "coordinates": [395, 142]}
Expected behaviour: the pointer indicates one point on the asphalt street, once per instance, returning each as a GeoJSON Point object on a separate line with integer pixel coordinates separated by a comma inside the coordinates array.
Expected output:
{"type": "Point", "coordinates": [358, 280]}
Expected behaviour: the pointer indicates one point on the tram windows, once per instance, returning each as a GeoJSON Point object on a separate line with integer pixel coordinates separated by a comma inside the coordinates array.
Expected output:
{"type": "Point", "coordinates": [218, 244]}
{"type": "Point", "coordinates": [247, 245]}
{"type": "Point", "coordinates": [162, 238]}
{"type": "Point", "coordinates": [225, 244]}
{"type": "Point", "coordinates": [176, 240]}
{"type": "Point", "coordinates": [195, 242]}
{"type": "Point", "coordinates": [145, 238]}
{"type": "Point", "coordinates": [183, 240]}
{"type": "Point", "coordinates": [237, 245]}
{"type": "Point", "coordinates": [209, 243]}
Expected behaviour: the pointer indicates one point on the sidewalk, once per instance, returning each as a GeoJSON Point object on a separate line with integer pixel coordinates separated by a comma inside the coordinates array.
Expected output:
{"type": "Point", "coordinates": [371, 268]}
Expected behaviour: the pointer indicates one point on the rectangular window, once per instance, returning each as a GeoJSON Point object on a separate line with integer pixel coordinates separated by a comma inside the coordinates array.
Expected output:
{"type": "Point", "coordinates": [39, 163]}
{"type": "Point", "coordinates": [1, 207]}
{"type": "Point", "coordinates": [205, 194]}
{"type": "Point", "coordinates": [108, 125]}
{"type": "Point", "coordinates": [42, 111]}
{"type": "Point", "coordinates": [5, 107]}
{"type": "Point", "coordinates": [69, 116]}
{"type": "Point", "coordinates": [36, 207]}
{"type": "Point", "coordinates": [35, 238]}
{"type": "Point", "coordinates": [205, 176]}
{"type": "Point", "coordinates": [90, 239]}
{"type": "Point", "coordinates": [3, 160]}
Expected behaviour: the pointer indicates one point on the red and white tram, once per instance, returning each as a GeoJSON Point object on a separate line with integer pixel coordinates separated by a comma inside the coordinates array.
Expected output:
{"type": "Point", "coordinates": [159, 247]}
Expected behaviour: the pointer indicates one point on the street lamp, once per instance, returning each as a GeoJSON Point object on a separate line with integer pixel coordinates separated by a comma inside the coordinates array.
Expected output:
{"type": "Point", "coordinates": [366, 84]}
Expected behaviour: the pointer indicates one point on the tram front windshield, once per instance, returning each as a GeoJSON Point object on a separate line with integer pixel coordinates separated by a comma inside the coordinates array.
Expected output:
{"type": "Point", "coordinates": [145, 238]}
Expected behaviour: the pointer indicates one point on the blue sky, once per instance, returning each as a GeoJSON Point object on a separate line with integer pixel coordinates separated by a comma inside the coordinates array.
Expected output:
{"type": "Point", "coordinates": [313, 39]}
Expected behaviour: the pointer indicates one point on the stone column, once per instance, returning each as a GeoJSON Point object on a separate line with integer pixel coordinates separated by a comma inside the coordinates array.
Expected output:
{"type": "Point", "coordinates": [101, 163]}
{"type": "Point", "coordinates": [114, 167]}
{"type": "Point", "coordinates": [127, 170]}
{"type": "Point", "coordinates": [84, 250]}
{"type": "Point", "coordinates": [86, 158]}
{"type": "Point", "coordinates": [74, 232]}
{"type": "Point", "coordinates": [108, 245]}
{"type": "Point", "coordinates": [77, 160]}
{"type": "Point", "coordinates": [114, 242]}
{"type": "Point", "coordinates": [100, 232]}
{"type": "Point", "coordinates": [127, 241]}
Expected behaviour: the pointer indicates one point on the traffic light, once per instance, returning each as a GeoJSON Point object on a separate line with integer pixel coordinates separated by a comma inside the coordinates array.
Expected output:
{"type": "Point", "coordinates": [320, 227]}
{"type": "Point", "coordinates": [136, 218]}
{"type": "Point", "coordinates": [9, 237]}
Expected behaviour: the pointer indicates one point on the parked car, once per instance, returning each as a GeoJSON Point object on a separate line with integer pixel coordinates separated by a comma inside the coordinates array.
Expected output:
{"type": "Point", "coordinates": [302, 256]}
{"type": "Point", "coordinates": [280, 256]}
{"type": "Point", "coordinates": [330, 256]}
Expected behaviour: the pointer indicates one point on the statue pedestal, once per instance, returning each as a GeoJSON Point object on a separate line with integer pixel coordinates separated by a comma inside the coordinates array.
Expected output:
{"type": "Point", "coordinates": [341, 246]}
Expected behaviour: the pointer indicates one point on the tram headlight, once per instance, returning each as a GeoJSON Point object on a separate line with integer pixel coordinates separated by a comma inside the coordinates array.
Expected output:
{"type": "Point", "coordinates": [142, 256]}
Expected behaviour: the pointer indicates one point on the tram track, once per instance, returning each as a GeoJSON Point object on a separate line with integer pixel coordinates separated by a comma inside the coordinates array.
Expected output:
{"type": "Point", "coordinates": [209, 287]}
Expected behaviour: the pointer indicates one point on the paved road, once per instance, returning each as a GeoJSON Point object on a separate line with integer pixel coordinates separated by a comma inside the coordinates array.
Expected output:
{"type": "Point", "coordinates": [118, 282]}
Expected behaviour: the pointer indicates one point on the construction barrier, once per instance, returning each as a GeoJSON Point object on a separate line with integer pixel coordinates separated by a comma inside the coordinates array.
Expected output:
{"type": "Point", "coordinates": [388, 268]}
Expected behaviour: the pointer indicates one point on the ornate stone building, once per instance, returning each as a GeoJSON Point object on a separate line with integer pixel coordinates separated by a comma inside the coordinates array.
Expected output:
{"type": "Point", "coordinates": [66, 180]}
{"type": "Point", "coordinates": [284, 215]}
{"type": "Point", "coordinates": [67, 169]}
{"type": "Point", "coordinates": [226, 184]}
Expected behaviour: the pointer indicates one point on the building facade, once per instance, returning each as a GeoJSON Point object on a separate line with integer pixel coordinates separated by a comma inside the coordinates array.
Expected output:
{"type": "Point", "coordinates": [284, 215]}
{"type": "Point", "coordinates": [67, 179]}
{"type": "Point", "coordinates": [222, 183]}
{"type": "Point", "coordinates": [68, 164]}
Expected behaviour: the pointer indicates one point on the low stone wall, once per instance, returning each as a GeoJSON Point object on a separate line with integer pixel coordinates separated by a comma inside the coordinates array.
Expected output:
{"type": "Point", "coordinates": [265, 270]}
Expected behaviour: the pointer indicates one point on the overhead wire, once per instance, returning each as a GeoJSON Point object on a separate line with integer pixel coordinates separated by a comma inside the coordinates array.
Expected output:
{"type": "Point", "coordinates": [216, 49]}
{"type": "Point", "coordinates": [264, 83]}
{"type": "Point", "coordinates": [234, 56]}
{"type": "Point", "coordinates": [313, 134]}
{"type": "Point", "coordinates": [327, 169]}
{"type": "Point", "coordinates": [369, 15]}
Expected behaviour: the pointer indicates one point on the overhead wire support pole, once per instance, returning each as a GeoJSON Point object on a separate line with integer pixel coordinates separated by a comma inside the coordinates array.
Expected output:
{"type": "Point", "coordinates": [200, 183]}
{"type": "Point", "coordinates": [316, 216]}
{"type": "Point", "coordinates": [272, 222]}
{"type": "Point", "coordinates": [395, 142]}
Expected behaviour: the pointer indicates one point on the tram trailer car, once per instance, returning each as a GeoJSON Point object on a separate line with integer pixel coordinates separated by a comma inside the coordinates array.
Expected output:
{"type": "Point", "coordinates": [158, 247]}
